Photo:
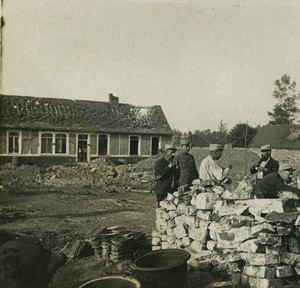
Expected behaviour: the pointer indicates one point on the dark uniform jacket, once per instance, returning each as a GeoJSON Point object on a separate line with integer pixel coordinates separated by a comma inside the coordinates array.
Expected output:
{"type": "Point", "coordinates": [187, 168]}
{"type": "Point", "coordinates": [269, 186]}
{"type": "Point", "coordinates": [272, 165]}
{"type": "Point", "coordinates": [166, 177]}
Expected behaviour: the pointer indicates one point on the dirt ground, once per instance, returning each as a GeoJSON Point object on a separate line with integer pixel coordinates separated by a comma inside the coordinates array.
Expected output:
{"type": "Point", "coordinates": [57, 216]}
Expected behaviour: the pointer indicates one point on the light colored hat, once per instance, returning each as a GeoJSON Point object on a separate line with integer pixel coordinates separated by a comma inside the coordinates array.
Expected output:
{"type": "Point", "coordinates": [265, 148]}
{"type": "Point", "coordinates": [287, 167]}
{"type": "Point", "coordinates": [170, 147]}
{"type": "Point", "coordinates": [215, 147]}
{"type": "Point", "coordinates": [184, 142]}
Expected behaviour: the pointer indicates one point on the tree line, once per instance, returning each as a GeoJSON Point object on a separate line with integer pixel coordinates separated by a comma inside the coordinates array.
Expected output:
{"type": "Point", "coordinates": [284, 112]}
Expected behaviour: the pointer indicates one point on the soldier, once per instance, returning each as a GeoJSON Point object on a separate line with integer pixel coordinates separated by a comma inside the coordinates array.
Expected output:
{"type": "Point", "coordinates": [266, 164]}
{"type": "Point", "coordinates": [186, 164]}
{"type": "Point", "coordinates": [276, 182]}
{"type": "Point", "coordinates": [210, 169]}
{"type": "Point", "coordinates": [166, 173]}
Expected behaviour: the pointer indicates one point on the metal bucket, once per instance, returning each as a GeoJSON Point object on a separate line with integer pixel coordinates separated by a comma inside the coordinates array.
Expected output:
{"type": "Point", "coordinates": [112, 282]}
{"type": "Point", "coordinates": [165, 268]}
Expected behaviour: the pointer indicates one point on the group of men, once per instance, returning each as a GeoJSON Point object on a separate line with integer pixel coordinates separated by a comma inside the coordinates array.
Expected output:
{"type": "Point", "coordinates": [173, 171]}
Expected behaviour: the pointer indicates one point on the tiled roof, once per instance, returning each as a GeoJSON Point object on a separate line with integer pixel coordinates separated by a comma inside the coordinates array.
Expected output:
{"type": "Point", "coordinates": [80, 115]}
{"type": "Point", "coordinates": [278, 136]}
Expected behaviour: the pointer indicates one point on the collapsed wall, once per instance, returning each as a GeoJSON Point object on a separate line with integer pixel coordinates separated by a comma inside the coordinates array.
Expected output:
{"type": "Point", "coordinates": [255, 240]}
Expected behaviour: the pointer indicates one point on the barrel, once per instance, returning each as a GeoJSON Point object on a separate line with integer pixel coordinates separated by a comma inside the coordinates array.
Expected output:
{"type": "Point", "coordinates": [165, 268]}
{"type": "Point", "coordinates": [112, 282]}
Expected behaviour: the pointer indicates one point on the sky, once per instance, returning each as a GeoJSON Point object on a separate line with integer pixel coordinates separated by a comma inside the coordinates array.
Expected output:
{"type": "Point", "coordinates": [203, 61]}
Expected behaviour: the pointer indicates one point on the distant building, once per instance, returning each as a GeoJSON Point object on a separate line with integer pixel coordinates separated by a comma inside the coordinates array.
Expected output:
{"type": "Point", "coordinates": [278, 136]}
{"type": "Point", "coordinates": [48, 131]}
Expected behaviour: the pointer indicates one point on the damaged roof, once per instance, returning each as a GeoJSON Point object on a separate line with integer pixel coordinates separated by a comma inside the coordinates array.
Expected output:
{"type": "Point", "coordinates": [278, 136]}
{"type": "Point", "coordinates": [17, 112]}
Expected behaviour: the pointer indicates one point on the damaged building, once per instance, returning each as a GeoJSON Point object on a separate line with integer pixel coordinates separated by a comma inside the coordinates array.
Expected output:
{"type": "Point", "coordinates": [48, 131]}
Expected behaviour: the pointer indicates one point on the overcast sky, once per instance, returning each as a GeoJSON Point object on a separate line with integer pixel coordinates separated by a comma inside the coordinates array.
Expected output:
{"type": "Point", "coordinates": [202, 61]}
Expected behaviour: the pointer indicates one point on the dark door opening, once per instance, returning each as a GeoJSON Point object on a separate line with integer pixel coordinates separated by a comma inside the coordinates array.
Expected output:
{"type": "Point", "coordinates": [154, 145]}
{"type": "Point", "coordinates": [102, 145]}
{"type": "Point", "coordinates": [82, 148]}
{"type": "Point", "coordinates": [134, 145]}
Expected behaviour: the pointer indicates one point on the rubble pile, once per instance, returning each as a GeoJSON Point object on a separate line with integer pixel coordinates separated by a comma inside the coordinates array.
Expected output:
{"type": "Point", "coordinates": [98, 174]}
{"type": "Point", "coordinates": [255, 240]}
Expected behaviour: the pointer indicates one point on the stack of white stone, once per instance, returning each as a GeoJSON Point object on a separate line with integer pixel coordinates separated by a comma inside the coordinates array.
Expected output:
{"type": "Point", "coordinates": [255, 240]}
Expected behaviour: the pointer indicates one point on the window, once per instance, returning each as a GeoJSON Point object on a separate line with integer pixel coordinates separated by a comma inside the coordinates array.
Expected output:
{"type": "Point", "coordinates": [102, 145]}
{"type": "Point", "coordinates": [47, 143]}
{"type": "Point", "coordinates": [134, 145]}
{"type": "Point", "coordinates": [13, 142]}
{"type": "Point", "coordinates": [60, 143]}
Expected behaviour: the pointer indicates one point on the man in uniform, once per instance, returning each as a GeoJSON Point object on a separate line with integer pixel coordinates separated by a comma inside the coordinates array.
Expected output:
{"type": "Point", "coordinates": [210, 168]}
{"type": "Point", "coordinates": [166, 173]}
{"type": "Point", "coordinates": [272, 184]}
{"type": "Point", "coordinates": [186, 164]}
{"type": "Point", "coordinates": [266, 164]}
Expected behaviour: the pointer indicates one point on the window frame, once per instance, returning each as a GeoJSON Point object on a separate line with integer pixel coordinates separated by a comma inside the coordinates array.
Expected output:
{"type": "Point", "coordinates": [53, 143]}
{"type": "Point", "coordinates": [19, 144]}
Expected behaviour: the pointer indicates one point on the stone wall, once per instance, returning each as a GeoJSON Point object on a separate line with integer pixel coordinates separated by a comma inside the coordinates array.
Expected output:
{"type": "Point", "coordinates": [255, 240]}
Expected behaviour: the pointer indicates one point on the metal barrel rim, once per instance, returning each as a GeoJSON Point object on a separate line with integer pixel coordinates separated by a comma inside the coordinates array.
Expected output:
{"type": "Point", "coordinates": [185, 257]}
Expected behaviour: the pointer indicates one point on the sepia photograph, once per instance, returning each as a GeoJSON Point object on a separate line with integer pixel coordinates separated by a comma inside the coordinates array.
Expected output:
{"type": "Point", "coordinates": [150, 144]}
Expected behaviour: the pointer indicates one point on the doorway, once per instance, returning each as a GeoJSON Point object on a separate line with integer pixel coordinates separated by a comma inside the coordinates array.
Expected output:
{"type": "Point", "coordinates": [82, 148]}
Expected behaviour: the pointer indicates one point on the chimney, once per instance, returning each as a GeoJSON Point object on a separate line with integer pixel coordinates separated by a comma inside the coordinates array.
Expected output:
{"type": "Point", "coordinates": [113, 99]}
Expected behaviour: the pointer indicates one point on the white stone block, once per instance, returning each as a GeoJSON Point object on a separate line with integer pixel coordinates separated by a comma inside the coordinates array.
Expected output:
{"type": "Point", "coordinates": [204, 215]}
{"type": "Point", "coordinates": [260, 259]}
{"type": "Point", "coordinates": [207, 200]}
{"type": "Point", "coordinates": [171, 206]}
{"type": "Point", "coordinates": [178, 243]}
{"type": "Point", "coordinates": [232, 238]}
{"type": "Point", "coordinates": [234, 209]}
{"type": "Point", "coordinates": [181, 209]}
{"type": "Point", "coordinates": [262, 227]}
{"type": "Point", "coordinates": [249, 246]}
{"type": "Point", "coordinates": [196, 246]}
{"type": "Point", "coordinates": [180, 231]}
{"type": "Point", "coordinates": [218, 190]}
{"type": "Point", "coordinates": [290, 258]}
{"type": "Point", "coordinates": [155, 241]}
{"type": "Point", "coordinates": [284, 271]}
{"type": "Point", "coordinates": [191, 221]}
{"type": "Point", "coordinates": [170, 232]}
{"type": "Point", "coordinates": [180, 220]}
{"type": "Point", "coordinates": [191, 210]}
{"type": "Point", "coordinates": [211, 244]}
{"type": "Point", "coordinates": [166, 245]}
{"type": "Point", "coordinates": [155, 248]}
{"type": "Point", "coordinates": [173, 214]}
{"type": "Point", "coordinates": [259, 271]}
{"type": "Point", "coordinates": [265, 206]}
{"type": "Point", "coordinates": [199, 234]}
{"type": "Point", "coordinates": [171, 223]}
{"type": "Point", "coordinates": [171, 239]}
{"type": "Point", "coordinates": [186, 241]}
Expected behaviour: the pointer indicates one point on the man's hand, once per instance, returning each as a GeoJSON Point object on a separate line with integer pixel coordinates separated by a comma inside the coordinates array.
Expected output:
{"type": "Point", "coordinates": [171, 164]}
{"type": "Point", "coordinates": [254, 167]}
{"type": "Point", "coordinates": [262, 169]}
